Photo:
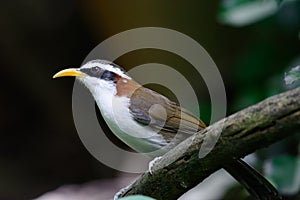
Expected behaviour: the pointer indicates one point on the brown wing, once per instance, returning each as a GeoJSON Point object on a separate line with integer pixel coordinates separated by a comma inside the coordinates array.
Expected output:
{"type": "Point", "coordinates": [161, 114]}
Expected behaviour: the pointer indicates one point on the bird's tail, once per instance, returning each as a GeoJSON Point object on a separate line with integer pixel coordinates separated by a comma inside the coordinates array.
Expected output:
{"type": "Point", "coordinates": [252, 180]}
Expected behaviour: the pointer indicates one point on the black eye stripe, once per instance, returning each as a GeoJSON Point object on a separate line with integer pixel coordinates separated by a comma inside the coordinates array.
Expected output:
{"type": "Point", "coordinates": [94, 71]}
{"type": "Point", "coordinates": [100, 73]}
{"type": "Point", "coordinates": [108, 75]}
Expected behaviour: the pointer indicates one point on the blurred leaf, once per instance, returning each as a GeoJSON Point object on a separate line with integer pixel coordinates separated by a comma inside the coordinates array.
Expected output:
{"type": "Point", "coordinates": [136, 197]}
{"type": "Point", "coordinates": [284, 171]}
{"type": "Point", "coordinates": [244, 12]}
{"type": "Point", "coordinates": [279, 1]}
{"type": "Point", "coordinates": [292, 76]}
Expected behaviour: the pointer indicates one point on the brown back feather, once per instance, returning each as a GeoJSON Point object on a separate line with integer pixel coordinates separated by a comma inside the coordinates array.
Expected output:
{"type": "Point", "coordinates": [168, 119]}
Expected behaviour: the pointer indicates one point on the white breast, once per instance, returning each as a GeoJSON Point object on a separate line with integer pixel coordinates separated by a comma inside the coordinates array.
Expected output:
{"type": "Point", "coordinates": [115, 111]}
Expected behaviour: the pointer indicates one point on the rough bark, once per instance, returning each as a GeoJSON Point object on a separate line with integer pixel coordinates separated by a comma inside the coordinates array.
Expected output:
{"type": "Point", "coordinates": [242, 133]}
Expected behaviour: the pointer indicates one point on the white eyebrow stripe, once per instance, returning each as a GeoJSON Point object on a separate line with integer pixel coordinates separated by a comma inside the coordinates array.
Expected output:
{"type": "Point", "coordinates": [106, 65]}
{"type": "Point", "coordinates": [115, 70]}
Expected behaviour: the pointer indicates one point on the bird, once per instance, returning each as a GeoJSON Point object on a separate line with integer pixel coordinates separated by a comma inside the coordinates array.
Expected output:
{"type": "Point", "coordinates": [149, 122]}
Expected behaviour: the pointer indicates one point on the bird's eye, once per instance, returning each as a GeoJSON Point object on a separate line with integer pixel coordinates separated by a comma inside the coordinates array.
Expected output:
{"type": "Point", "coordinates": [108, 76]}
{"type": "Point", "coordinates": [95, 70]}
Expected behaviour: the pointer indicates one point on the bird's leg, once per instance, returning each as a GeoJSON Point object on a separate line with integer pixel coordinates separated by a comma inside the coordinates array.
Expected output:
{"type": "Point", "coordinates": [122, 191]}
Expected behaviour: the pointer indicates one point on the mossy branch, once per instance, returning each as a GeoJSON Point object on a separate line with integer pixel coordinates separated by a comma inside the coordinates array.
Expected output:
{"type": "Point", "coordinates": [242, 133]}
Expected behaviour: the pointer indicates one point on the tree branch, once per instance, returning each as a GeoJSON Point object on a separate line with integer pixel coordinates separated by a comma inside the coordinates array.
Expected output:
{"type": "Point", "coordinates": [241, 134]}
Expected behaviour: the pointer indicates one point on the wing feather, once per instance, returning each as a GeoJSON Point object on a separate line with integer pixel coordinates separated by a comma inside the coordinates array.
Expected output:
{"type": "Point", "coordinates": [168, 119]}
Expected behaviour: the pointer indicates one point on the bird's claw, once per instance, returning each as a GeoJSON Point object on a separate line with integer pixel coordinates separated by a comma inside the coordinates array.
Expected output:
{"type": "Point", "coordinates": [121, 192]}
{"type": "Point", "coordinates": [151, 164]}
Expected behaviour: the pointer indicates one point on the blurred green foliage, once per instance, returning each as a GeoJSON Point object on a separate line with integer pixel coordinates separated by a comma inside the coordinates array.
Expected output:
{"type": "Point", "coordinates": [136, 197]}
{"type": "Point", "coordinates": [284, 172]}
{"type": "Point", "coordinates": [292, 76]}
{"type": "Point", "coordinates": [261, 69]}
{"type": "Point", "coordinates": [244, 12]}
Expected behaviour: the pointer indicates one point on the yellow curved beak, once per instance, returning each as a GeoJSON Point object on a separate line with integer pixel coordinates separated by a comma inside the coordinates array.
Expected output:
{"type": "Point", "coordinates": [68, 72]}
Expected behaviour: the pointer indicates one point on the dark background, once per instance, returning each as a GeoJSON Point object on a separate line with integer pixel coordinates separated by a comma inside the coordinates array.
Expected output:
{"type": "Point", "coordinates": [39, 146]}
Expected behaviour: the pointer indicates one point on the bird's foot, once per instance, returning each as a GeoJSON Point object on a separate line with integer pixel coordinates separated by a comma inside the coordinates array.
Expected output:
{"type": "Point", "coordinates": [121, 192]}
{"type": "Point", "coordinates": [151, 164]}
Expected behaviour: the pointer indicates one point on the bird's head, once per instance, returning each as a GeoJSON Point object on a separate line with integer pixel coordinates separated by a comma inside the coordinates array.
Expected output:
{"type": "Point", "coordinates": [98, 75]}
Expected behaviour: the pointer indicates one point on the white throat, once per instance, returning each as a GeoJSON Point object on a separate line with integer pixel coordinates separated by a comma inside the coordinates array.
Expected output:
{"type": "Point", "coordinates": [116, 113]}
